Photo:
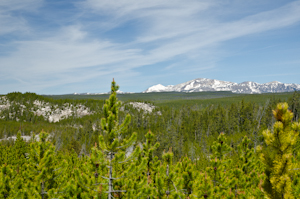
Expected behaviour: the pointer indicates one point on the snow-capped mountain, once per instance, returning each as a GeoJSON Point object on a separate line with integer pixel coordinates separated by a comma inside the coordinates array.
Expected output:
{"type": "Point", "coordinates": [204, 84]}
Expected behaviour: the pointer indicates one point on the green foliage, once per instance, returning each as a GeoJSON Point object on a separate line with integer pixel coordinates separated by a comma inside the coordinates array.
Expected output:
{"type": "Point", "coordinates": [295, 105]}
{"type": "Point", "coordinates": [90, 157]}
{"type": "Point", "coordinates": [114, 143]}
{"type": "Point", "coordinates": [219, 166]}
{"type": "Point", "coordinates": [247, 172]}
{"type": "Point", "coordinates": [19, 150]}
{"type": "Point", "coordinates": [277, 154]}
{"type": "Point", "coordinates": [42, 168]}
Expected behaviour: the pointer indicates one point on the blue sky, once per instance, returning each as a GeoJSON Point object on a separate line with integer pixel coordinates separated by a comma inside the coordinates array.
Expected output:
{"type": "Point", "coordinates": [62, 46]}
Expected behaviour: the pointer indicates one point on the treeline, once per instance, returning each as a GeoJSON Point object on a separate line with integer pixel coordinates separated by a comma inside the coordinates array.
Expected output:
{"type": "Point", "coordinates": [119, 166]}
{"type": "Point", "coordinates": [189, 131]}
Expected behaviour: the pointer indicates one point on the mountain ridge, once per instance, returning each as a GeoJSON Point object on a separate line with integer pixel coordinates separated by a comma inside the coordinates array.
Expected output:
{"type": "Point", "coordinates": [118, 92]}
{"type": "Point", "coordinates": [205, 84]}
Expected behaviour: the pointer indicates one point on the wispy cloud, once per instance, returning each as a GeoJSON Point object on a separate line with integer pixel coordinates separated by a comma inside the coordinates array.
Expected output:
{"type": "Point", "coordinates": [72, 51]}
{"type": "Point", "coordinates": [12, 22]}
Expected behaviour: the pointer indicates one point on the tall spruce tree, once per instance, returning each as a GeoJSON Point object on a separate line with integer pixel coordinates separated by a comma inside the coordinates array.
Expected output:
{"type": "Point", "coordinates": [114, 143]}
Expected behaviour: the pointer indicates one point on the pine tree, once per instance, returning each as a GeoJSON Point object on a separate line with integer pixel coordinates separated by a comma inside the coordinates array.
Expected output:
{"type": "Point", "coordinates": [245, 176]}
{"type": "Point", "coordinates": [98, 168]}
{"type": "Point", "coordinates": [42, 168]}
{"type": "Point", "coordinates": [295, 105]}
{"type": "Point", "coordinates": [6, 177]}
{"type": "Point", "coordinates": [75, 181]}
{"type": "Point", "coordinates": [203, 187]}
{"type": "Point", "coordinates": [187, 172]}
{"type": "Point", "coordinates": [277, 153]}
{"type": "Point", "coordinates": [19, 151]}
{"type": "Point", "coordinates": [114, 143]}
{"type": "Point", "coordinates": [167, 182]}
{"type": "Point", "coordinates": [152, 164]}
{"type": "Point", "coordinates": [296, 174]}
{"type": "Point", "coordinates": [219, 168]}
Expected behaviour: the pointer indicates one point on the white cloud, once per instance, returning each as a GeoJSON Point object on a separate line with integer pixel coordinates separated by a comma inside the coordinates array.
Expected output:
{"type": "Point", "coordinates": [179, 28]}
{"type": "Point", "coordinates": [159, 19]}
{"type": "Point", "coordinates": [66, 51]}
{"type": "Point", "coordinates": [10, 21]}
{"type": "Point", "coordinates": [67, 57]}
{"type": "Point", "coordinates": [166, 29]}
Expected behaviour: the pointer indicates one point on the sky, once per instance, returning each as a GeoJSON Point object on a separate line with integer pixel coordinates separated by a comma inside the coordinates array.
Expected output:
{"type": "Point", "coordinates": [63, 46]}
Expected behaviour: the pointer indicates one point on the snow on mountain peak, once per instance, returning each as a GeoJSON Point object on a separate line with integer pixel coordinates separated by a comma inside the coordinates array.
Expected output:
{"type": "Point", "coordinates": [159, 88]}
{"type": "Point", "coordinates": [205, 84]}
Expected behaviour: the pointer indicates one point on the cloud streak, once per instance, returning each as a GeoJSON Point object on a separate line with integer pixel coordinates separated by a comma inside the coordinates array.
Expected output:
{"type": "Point", "coordinates": [11, 22]}
{"type": "Point", "coordinates": [164, 31]}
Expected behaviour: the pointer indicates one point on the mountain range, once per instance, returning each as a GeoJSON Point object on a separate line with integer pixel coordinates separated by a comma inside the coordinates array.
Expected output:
{"type": "Point", "coordinates": [205, 84]}
{"type": "Point", "coordinates": [118, 92]}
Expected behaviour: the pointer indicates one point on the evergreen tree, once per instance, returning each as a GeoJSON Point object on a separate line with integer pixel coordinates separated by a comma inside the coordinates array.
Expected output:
{"type": "Point", "coordinates": [246, 174]}
{"type": "Point", "coordinates": [166, 181]}
{"type": "Point", "coordinates": [203, 187]}
{"type": "Point", "coordinates": [277, 153]}
{"type": "Point", "coordinates": [42, 168]}
{"type": "Point", "coordinates": [75, 181]}
{"type": "Point", "coordinates": [6, 183]}
{"type": "Point", "coordinates": [114, 143]}
{"type": "Point", "coordinates": [296, 175]}
{"type": "Point", "coordinates": [220, 165]}
{"type": "Point", "coordinates": [152, 164]}
{"type": "Point", "coordinates": [19, 151]}
{"type": "Point", "coordinates": [295, 105]}
{"type": "Point", "coordinates": [187, 172]}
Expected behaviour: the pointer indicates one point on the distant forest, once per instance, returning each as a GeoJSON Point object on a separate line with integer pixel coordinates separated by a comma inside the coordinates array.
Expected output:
{"type": "Point", "coordinates": [188, 123]}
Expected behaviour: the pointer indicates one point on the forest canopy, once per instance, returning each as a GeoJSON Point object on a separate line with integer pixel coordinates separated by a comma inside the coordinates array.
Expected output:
{"type": "Point", "coordinates": [244, 149]}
